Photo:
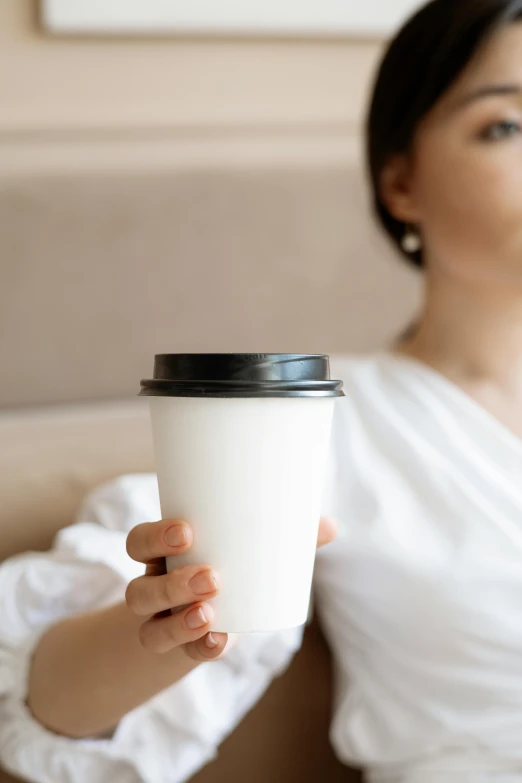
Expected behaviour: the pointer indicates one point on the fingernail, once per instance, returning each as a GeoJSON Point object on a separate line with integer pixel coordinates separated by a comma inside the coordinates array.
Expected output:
{"type": "Point", "coordinates": [204, 582]}
{"type": "Point", "coordinates": [176, 536]}
{"type": "Point", "coordinates": [210, 641]}
{"type": "Point", "coordinates": [196, 618]}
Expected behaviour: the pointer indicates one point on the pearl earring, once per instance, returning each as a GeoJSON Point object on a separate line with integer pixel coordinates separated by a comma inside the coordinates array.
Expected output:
{"type": "Point", "coordinates": [411, 241]}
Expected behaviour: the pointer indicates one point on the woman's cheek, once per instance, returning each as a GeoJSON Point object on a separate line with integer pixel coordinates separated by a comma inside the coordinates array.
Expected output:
{"type": "Point", "coordinates": [475, 184]}
{"type": "Point", "coordinates": [500, 184]}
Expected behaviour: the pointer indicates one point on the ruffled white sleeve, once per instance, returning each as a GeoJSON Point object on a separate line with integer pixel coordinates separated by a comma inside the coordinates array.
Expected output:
{"type": "Point", "coordinates": [165, 740]}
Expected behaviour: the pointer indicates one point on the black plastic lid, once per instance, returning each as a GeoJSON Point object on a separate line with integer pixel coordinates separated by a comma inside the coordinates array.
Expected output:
{"type": "Point", "coordinates": [241, 375]}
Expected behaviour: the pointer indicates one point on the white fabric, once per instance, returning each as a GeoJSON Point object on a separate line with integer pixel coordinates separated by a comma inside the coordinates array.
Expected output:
{"type": "Point", "coordinates": [421, 598]}
{"type": "Point", "coordinates": [166, 740]}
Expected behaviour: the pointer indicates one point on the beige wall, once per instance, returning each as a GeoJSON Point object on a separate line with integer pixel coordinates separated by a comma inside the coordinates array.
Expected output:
{"type": "Point", "coordinates": [71, 100]}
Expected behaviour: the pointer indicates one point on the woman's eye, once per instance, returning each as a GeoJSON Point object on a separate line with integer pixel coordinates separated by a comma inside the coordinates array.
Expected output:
{"type": "Point", "coordinates": [501, 130]}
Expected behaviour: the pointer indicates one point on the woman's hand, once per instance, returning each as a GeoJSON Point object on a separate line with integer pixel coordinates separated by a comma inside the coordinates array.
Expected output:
{"type": "Point", "coordinates": [186, 590]}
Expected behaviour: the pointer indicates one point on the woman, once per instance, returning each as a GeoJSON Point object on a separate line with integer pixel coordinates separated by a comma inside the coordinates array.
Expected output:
{"type": "Point", "coordinates": [421, 594]}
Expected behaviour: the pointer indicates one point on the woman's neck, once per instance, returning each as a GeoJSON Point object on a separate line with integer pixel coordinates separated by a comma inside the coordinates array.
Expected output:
{"type": "Point", "coordinates": [472, 333]}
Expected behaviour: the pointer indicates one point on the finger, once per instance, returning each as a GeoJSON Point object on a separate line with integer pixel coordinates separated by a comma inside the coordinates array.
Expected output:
{"type": "Point", "coordinates": [327, 531]}
{"type": "Point", "coordinates": [161, 634]}
{"type": "Point", "coordinates": [151, 540]}
{"type": "Point", "coordinates": [148, 595]}
{"type": "Point", "coordinates": [209, 648]}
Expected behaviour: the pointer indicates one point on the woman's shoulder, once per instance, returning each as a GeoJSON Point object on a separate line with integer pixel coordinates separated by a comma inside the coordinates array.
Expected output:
{"type": "Point", "coordinates": [360, 371]}
{"type": "Point", "coordinates": [374, 402]}
{"type": "Point", "coordinates": [358, 412]}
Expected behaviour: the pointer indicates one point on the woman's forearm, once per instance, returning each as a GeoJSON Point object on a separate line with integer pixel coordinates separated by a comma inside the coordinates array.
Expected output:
{"type": "Point", "coordinates": [89, 671]}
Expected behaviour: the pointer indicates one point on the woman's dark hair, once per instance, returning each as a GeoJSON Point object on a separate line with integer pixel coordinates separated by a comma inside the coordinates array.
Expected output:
{"type": "Point", "coordinates": [420, 65]}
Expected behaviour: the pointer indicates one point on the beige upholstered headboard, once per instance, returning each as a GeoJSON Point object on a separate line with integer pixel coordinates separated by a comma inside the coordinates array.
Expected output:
{"type": "Point", "coordinates": [101, 270]}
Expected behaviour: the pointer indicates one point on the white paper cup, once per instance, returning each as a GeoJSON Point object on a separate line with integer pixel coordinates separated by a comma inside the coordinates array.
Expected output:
{"type": "Point", "coordinates": [248, 473]}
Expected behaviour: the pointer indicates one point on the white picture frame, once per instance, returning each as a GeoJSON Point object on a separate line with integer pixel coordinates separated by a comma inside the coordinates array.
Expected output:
{"type": "Point", "coordinates": [332, 18]}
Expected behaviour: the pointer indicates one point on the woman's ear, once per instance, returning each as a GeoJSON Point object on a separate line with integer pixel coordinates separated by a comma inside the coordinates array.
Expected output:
{"type": "Point", "coordinates": [397, 189]}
